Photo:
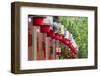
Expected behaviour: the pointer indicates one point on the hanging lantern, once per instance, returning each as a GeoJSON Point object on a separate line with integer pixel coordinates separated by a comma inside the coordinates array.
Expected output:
{"type": "Point", "coordinates": [63, 39]}
{"type": "Point", "coordinates": [72, 49]}
{"type": "Point", "coordinates": [52, 35]}
{"type": "Point", "coordinates": [42, 20]}
{"type": "Point", "coordinates": [56, 36]}
{"type": "Point", "coordinates": [67, 42]}
{"type": "Point", "coordinates": [60, 37]}
{"type": "Point", "coordinates": [38, 20]}
{"type": "Point", "coordinates": [49, 33]}
{"type": "Point", "coordinates": [45, 28]}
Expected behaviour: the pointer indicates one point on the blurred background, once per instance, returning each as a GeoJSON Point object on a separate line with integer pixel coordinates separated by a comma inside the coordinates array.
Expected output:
{"type": "Point", "coordinates": [78, 26]}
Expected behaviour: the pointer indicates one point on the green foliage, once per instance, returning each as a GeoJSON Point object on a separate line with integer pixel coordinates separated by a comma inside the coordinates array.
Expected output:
{"type": "Point", "coordinates": [78, 26]}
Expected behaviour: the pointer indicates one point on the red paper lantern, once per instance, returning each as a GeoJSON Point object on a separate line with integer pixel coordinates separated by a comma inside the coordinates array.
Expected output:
{"type": "Point", "coordinates": [67, 42]}
{"type": "Point", "coordinates": [72, 49]}
{"type": "Point", "coordinates": [52, 35]}
{"type": "Point", "coordinates": [38, 21]}
{"type": "Point", "coordinates": [45, 28]}
{"type": "Point", "coordinates": [49, 33]}
{"type": "Point", "coordinates": [56, 36]}
{"type": "Point", "coordinates": [60, 37]}
{"type": "Point", "coordinates": [64, 40]}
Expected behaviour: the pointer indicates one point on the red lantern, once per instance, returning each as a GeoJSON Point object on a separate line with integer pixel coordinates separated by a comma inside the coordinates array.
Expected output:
{"type": "Point", "coordinates": [72, 49]}
{"type": "Point", "coordinates": [56, 36]}
{"type": "Point", "coordinates": [45, 28]}
{"type": "Point", "coordinates": [60, 37]}
{"type": "Point", "coordinates": [49, 33]}
{"type": "Point", "coordinates": [38, 21]}
{"type": "Point", "coordinates": [52, 35]}
{"type": "Point", "coordinates": [67, 42]}
{"type": "Point", "coordinates": [64, 40]}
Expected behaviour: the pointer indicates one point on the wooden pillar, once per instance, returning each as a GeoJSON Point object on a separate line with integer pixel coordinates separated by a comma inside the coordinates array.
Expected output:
{"type": "Point", "coordinates": [57, 48]}
{"type": "Point", "coordinates": [54, 52]}
{"type": "Point", "coordinates": [34, 43]}
{"type": "Point", "coordinates": [46, 46]}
